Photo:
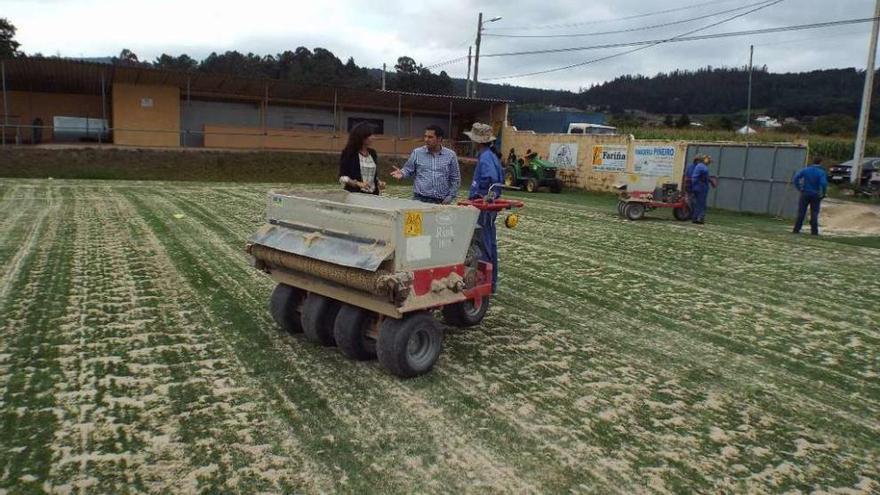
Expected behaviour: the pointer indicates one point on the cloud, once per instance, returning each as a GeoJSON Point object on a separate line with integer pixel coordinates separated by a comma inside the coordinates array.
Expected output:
{"type": "Point", "coordinates": [379, 32]}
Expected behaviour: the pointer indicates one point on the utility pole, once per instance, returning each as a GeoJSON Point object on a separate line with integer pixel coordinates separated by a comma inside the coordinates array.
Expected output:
{"type": "Point", "coordinates": [749, 107]}
{"type": "Point", "coordinates": [467, 84]}
{"type": "Point", "coordinates": [383, 76]}
{"type": "Point", "coordinates": [856, 170]}
{"type": "Point", "coordinates": [477, 55]}
{"type": "Point", "coordinates": [477, 59]}
{"type": "Point", "coordinates": [5, 107]}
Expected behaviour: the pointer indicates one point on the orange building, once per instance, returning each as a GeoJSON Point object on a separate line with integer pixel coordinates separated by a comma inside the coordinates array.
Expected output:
{"type": "Point", "coordinates": [58, 100]}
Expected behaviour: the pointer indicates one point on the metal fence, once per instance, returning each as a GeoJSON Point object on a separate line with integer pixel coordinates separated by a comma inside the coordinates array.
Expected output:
{"type": "Point", "coordinates": [753, 178]}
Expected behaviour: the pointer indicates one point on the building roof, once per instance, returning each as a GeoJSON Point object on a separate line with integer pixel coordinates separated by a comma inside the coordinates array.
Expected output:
{"type": "Point", "coordinates": [75, 76]}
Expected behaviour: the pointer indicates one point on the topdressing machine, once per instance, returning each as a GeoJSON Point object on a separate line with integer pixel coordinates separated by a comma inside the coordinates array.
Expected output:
{"type": "Point", "coordinates": [365, 272]}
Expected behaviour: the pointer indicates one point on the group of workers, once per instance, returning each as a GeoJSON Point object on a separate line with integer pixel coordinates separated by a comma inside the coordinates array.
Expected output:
{"type": "Point", "coordinates": [435, 172]}
{"type": "Point", "coordinates": [810, 181]}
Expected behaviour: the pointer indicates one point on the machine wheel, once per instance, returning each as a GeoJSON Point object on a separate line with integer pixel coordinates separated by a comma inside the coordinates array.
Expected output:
{"type": "Point", "coordinates": [471, 312]}
{"type": "Point", "coordinates": [466, 313]}
{"type": "Point", "coordinates": [318, 317]}
{"type": "Point", "coordinates": [509, 177]}
{"type": "Point", "coordinates": [410, 347]}
{"type": "Point", "coordinates": [351, 332]}
{"type": "Point", "coordinates": [681, 213]}
{"type": "Point", "coordinates": [284, 305]}
{"type": "Point", "coordinates": [556, 187]}
{"type": "Point", "coordinates": [621, 204]}
{"type": "Point", "coordinates": [531, 185]}
{"type": "Point", "coordinates": [634, 211]}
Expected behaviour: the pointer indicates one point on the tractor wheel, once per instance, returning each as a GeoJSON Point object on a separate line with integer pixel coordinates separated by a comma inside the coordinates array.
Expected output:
{"type": "Point", "coordinates": [531, 185]}
{"type": "Point", "coordinates": [682, 213]}
{"type": "Point", "coordinates": [621, 204]}
{"type": "Point", "coordinates": [318, 317]}
{"type": "Point", "coordinates": [284, 305]}
{"type": "Point", "coordinates": [509, 177]}
{"type": "Point", "coordinates": [410, 347]}
{"type": "Point", "coordinates": [634, 211]}
{"type": "Point", "coordinates": [352, 332]}
{"type": "Point", "coordinates": [556, 187]}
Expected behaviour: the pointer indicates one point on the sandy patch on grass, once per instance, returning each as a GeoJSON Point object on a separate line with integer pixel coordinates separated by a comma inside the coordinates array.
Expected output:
{"type": "Point", "coordinates": [837, 216]}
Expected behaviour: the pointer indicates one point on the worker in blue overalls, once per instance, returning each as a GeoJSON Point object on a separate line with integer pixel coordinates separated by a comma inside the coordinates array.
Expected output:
{"type": "Point", "coordinates": [686, 183]}
{"type": "Point", "coordinates": [812, 182]}
{"type": "Point", "coordinates": [699, 186]}
{"type": "Point", "coordinates": [487, 173]}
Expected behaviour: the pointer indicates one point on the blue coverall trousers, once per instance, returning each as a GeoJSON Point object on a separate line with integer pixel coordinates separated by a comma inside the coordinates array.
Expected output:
{"type": "Point", "coordinates": [487, 225]}
{"type": "Point", "coordinates": [814, 201]}
{"type": "Point", "coordinates": [701, 195]}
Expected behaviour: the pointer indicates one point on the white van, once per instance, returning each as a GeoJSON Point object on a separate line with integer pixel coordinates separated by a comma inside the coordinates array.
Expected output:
{"type": "Point", "coordinates": [582, 128]}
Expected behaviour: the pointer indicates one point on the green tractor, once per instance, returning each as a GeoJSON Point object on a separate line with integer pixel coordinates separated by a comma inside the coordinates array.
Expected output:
{"type": "Point", "coordinates": [531, 172]}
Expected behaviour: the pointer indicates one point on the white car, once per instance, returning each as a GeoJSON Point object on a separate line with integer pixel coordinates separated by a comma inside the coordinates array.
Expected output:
{"type": "Point", "coordinates": [583, 128]}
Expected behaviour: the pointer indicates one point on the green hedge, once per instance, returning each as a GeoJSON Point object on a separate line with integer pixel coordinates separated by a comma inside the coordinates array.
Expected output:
{"type": "Point", "coordinates": [183, 165]}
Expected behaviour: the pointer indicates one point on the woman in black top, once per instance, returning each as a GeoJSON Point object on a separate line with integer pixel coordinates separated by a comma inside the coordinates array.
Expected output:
{"type": "Point", "coordinates": [358, 162]}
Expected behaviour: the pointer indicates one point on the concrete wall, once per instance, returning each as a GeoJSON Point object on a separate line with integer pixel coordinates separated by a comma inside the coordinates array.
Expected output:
{"type": "Point", "coordinates": [146, 115]}
{"type": "Point", "coordinates": [25, 106]}
{"type": "Point", "coordinates": [221, 136]}
{"type": "Point", "coordinates": [584, 174]}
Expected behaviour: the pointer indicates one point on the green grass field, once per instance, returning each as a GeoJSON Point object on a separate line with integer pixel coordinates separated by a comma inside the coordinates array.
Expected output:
{"type": "Point", "coordinates": [137, 355]}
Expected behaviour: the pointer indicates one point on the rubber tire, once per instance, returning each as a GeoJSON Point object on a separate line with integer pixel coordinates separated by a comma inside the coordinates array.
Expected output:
{"type": "Point", "coordinates": [397, 339]}
{"type": "Point", "coordinates": [682, 213]}
{"type": "Point", "coordinates": [509, 177]}
{"type": "Point", "coordinates": [556, 187]}
{"type": "Point", "coordinates": [284, 306]}
{"type": "Point", "coordinates": [634, 211]}
{"type": "Point", "coordinates": [318, 319]}
{"type": "Point", "coordinates": [620, 206]}
{"type": "Point", "coordinates": [350, 329]}
{"type": "Point", "coordinates": [464, 315]}
{"type": "Point", "coordinates": [531, 185]}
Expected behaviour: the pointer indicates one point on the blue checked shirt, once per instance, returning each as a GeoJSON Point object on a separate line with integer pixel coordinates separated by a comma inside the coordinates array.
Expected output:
{"type": "Point", "coordinates": [436, 175]}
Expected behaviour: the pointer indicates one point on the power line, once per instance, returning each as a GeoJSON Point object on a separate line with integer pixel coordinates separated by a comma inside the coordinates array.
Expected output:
{"type": "Point", "coordinates": [608, 21]}
{"type": "Point", "coordinates": [813, 39]}
{"type": "Point", "coordinates": [462, 59]}
{"type": "Point", "coordinates": [655, 43]}
{"type": "Point", "coordinates": [446, 62]}
{"type": "Point", "coordinates": [629, 30]}
{"type": "Point", "coordinates": [730, 34]}
{"type": "Point", "coordinates": [463, 43]}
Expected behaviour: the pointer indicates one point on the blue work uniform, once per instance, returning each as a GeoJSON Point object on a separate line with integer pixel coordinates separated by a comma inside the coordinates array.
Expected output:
{"type": "Point", "coordinates": [812, 182]}
{"type": "Point", "coordinates": [699, 187]}
{"type": "Point", "coordinates": [686, 187]}
{"type": "Point", "coordinates": [488, 172]}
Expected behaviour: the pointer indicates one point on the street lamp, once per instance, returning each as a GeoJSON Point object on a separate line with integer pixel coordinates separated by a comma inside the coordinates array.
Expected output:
{"type": "Point", "coordinates": [477, 57]}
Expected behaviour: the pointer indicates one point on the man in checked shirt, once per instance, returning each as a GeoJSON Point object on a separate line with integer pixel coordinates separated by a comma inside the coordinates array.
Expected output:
{"type": "Point", "coordinates": [435, 168]}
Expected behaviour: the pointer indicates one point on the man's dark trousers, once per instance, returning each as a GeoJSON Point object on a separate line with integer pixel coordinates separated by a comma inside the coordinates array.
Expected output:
{"type": "Point", "coordinates": [813, 201]}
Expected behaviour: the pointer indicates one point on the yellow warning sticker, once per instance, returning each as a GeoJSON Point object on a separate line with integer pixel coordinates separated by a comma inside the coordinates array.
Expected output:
{"type": "Point", "coordinates": [412, 225]}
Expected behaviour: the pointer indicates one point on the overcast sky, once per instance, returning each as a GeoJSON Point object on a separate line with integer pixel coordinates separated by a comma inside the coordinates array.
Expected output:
{"type": "Point", "coordinates": [379, 31]}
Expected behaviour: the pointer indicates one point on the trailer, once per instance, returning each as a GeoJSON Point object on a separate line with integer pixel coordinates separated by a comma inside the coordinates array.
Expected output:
{"type": "Point", "coordinates": [633, 205]}
{"type": "Point", "coordinates": [366, 273]}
